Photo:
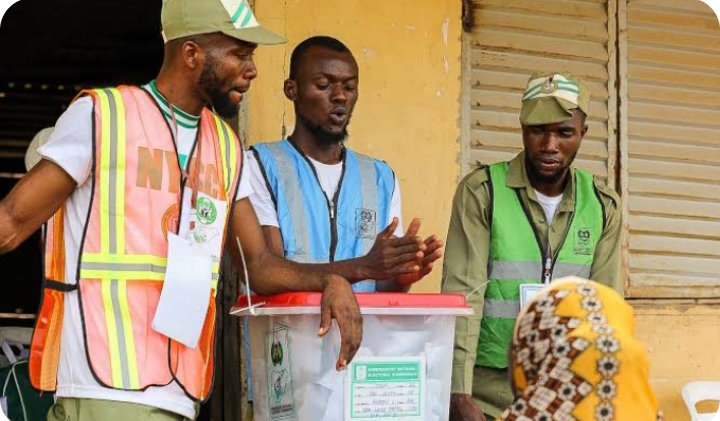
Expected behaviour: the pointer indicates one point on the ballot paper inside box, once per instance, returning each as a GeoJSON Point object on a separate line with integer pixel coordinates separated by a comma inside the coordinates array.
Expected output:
{"type": "Point", "coordinates": [401, 372]}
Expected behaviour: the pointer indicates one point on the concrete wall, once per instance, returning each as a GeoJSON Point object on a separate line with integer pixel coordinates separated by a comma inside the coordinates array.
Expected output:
{"type": "Point", "coordinates": [683, 341]}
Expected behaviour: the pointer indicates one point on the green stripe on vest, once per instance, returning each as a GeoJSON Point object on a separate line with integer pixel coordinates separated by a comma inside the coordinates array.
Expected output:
{"type": "Point", "coordinates": [516, 257]}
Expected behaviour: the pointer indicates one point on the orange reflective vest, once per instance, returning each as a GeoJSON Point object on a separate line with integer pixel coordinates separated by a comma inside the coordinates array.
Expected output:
{"type": "Point", "coordinates": [136, 196]}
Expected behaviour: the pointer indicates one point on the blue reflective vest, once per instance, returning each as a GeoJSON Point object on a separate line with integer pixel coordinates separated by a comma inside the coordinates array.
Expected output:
{"type": "Point", "coordinates": [320, 229]}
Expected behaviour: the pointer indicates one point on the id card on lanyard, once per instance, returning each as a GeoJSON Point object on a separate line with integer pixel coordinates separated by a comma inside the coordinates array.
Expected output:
{"type": "Point", "coordinates": [185, 297]}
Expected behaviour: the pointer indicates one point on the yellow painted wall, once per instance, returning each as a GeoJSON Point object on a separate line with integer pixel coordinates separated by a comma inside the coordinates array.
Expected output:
{"type": "Point", "coordinates": [683, 341]}
{"type": "Point", "coordinates": [408, 111]}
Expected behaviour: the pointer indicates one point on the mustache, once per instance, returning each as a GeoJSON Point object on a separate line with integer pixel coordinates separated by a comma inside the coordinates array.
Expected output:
{"type": "Point", "coordinates": [547, 159]}
{"type": "Point", "coordinates": [339, 110]}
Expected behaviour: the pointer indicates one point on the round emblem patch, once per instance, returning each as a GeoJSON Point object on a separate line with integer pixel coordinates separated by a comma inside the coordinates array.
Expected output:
{"type": "Point", "coordinates": [170, 220]}
{"type": "Point", "coordinates": [205, 211]}
{"type": "Point", "coordinates": [276, 353]}
{"type": "Point", "coordinates": [549, 86]}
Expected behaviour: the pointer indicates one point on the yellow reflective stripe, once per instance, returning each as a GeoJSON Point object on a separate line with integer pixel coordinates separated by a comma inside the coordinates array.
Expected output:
{"type": "Point", "coordinates": [222, 139]}
{"type": "Point", "coordinates": [121, 274]}
{"type": "Point", "coordinates": [115, 365]}
{"type": "Point", "coordinates": [223, 148]}
{"type": "Point", "coordinates": [112, 172]}
{"type": "Point", "coordinates": [131, 275]}
{"type": "Point", "coordinates": [228, 152]}
{"type": "Point", "coordinates": [131, 259]}
{"type": "Point", "coordinates": [119, 170]}
{"type": "Point", "coordinates": [233, 168]}
{"type": "Point", "coordinates": [126, 259]}
{"type": "Point", "coordinates": [157, 265]}
{"type": "Point", "coordinates": [118, 321]}
{"type": "Point", "coordinates": [129, 336]}
{"type": "Point", "coordinates": [104, 170]}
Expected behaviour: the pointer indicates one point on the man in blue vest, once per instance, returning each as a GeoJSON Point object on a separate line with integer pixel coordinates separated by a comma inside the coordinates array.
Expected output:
{"type": "Point", "coordinates": [518, 225]}
{"type": "Point", "coordinates": [319, 202]}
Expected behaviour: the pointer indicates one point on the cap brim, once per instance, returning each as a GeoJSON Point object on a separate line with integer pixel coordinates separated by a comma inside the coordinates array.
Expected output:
{"type": "Point", "coordinates": [257, 35]}
{"type": "Point", "coordinates": [546, 110]}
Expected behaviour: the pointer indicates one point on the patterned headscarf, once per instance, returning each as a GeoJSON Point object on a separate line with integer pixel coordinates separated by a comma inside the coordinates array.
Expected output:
{"type": "Point", "coordinates": [574, 357]}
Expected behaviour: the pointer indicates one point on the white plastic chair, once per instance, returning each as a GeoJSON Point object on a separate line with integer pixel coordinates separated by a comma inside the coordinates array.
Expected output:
{"type": "Point", "coordinates": [698, 391]}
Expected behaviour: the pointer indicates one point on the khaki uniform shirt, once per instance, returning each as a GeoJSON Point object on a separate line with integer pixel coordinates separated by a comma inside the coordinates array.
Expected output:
{"type": "Point", "coordinates": [468, 247]}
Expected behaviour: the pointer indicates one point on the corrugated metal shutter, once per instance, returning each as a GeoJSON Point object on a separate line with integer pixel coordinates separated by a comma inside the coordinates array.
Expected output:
{"type": "Point", "coordinates": [513, 38]}
{"type": "Point", "coordinates": [671, 147]}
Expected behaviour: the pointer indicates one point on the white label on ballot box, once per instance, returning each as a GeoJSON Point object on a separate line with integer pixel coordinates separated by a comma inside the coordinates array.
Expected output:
{"type": "Point", "coordinates": [281, 398]}
{"type": "Point", "coordinates": [527, 292]}
{"type": "Point", "coordinates": [392, 388]}
{"type": "Point", "coordinates": [185, 294]}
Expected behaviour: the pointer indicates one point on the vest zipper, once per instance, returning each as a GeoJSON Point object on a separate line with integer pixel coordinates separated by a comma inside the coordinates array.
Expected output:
{"type": "Point", "coordinates": [333, 212]}
{"type": "Point", "coordinates": [562, 243]}
{"type": "Point", "coordinates": [546, 272]}
{"type": "Point", "coordinates": [548, 265]}
{"type": "Point", "coordinates": [567, 231]}
{"type": "Point", "coordinates": [331, 203]}
{"type": "Point", "coordinates": [333, 229]}
{"type": "Point", "coordinates": [548, 258]}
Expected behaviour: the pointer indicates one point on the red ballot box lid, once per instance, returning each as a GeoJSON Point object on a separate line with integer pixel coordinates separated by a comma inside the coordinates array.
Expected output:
{"type": "Point", "coordinates": [374, 303]}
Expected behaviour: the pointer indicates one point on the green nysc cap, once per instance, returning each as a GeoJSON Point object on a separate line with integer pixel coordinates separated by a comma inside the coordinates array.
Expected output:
{"type": "Point", "coordinates": [234, 18]}
{"type": "Point", "coordinates": [550, 97]}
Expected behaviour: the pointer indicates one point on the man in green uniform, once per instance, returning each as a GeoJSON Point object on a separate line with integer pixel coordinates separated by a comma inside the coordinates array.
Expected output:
{"type": "Point", "coordinates": [517, 225]}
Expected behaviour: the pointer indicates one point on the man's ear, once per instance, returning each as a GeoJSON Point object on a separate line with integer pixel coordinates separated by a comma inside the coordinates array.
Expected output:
{"type": "Point", "coordinates": [192, 54]}
{"type": "Point", "coordinates": [290, 89]}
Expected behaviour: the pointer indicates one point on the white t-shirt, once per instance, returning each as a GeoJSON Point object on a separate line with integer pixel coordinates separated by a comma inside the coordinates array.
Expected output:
{"type": "Point", "coordinates": [70, 147]}
{"type": "Point", "coordinates": [329, 177]}
{"type": "Point", "coordinates": [549, 205]}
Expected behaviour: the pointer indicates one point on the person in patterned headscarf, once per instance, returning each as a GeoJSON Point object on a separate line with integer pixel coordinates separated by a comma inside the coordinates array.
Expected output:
{"type": "Point", "coordinates": [574, 356]}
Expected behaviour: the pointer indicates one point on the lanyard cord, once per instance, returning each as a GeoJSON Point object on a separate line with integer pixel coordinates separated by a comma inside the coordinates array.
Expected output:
{"type": "Point", "coordinates": [188, 175]}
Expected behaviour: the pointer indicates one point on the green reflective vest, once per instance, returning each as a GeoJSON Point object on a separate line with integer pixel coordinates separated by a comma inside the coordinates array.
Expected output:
{"type": "Point", "coordinates": [518, 256]}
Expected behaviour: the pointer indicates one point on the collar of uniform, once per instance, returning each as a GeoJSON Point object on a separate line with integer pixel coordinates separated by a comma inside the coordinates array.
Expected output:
{"type": "Point", "coordinates": [517, 178]}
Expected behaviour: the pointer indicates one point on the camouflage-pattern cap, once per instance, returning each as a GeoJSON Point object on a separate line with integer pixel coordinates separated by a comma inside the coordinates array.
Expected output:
{"type": "Point", "coordinates": [550, 97]}
{"type": "Point", "coordinates": [234, 18]}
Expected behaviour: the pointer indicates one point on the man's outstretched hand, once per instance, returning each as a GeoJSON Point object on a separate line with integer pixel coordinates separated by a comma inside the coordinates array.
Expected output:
{"type": "Point", "coordinates": [392, 256]}
{"type": "Point", "coordinates": [339, 303]}
{"type": "Point", "coordinates": [433, 250]}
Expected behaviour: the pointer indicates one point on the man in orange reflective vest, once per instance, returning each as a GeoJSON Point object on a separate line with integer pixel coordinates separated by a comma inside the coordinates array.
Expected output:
{"type": "Point", "coordinates": [140, 187]}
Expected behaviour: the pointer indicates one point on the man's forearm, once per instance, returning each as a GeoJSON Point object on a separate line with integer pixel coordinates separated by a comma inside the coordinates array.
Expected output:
{"type": "Point", "coordinates": [270, 274]}
{"type": "Point", "coordinates": [351, 269]}
{"type": "Point", "coordinates": [8, 235]}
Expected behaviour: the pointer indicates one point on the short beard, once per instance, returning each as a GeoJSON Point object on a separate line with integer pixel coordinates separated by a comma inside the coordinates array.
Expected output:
{"type": "Point", "coordinates": [322, 135]}
{"type": "Point", "coordinates": [220, 101]}
{"type": "Point", "coordinates": [542, 178]}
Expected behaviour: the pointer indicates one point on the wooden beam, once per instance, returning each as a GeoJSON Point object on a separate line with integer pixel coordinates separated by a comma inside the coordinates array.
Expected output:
{"type": "Point", "coordinates": [466, 88]}
{"type": "Point", "coordinates": [612, 102]}
{"type": "Point", "coordinates": [622, 20]}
